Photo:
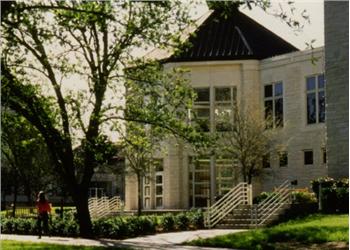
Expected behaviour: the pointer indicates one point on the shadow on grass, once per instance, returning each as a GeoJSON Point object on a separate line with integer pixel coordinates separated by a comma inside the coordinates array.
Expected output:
{"type": "Point", "coordinates": [266, 238]}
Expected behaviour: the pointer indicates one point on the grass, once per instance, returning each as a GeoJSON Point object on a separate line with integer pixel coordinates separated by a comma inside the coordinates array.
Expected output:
{"type": "Point", "coordinates": [314, 229]}
{"type": "Point", "coordinates": [21, 245]}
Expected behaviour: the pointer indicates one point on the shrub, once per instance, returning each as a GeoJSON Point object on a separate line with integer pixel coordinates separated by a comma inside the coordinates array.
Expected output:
{"type": "Point", "coordinates": [182, 221]}
{"type": "Point", "coordinates": [196, 218]}
{"type": "Point", "coordinates": [262, 196]}
{"type": "Point", "coordinates": [334, 194]}
{"type": "Point", "coordinates": [116, 227]}
{"type": "Point", "coordinates": [303, 197]}
{"type": "Point", "coordinates": [168, 222]}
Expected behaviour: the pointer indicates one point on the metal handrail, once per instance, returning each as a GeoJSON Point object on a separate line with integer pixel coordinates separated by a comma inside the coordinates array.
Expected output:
{"type": "Point", "coordinates": [273, 203]}
{"type": "Point", "coordinates": [226, 204]}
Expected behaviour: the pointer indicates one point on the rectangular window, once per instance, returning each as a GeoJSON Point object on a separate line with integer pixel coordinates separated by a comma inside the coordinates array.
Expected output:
{"type": "Point", "coordinates": [283, 159]}
{"type": "Point", "coordinates": [225, 101]}
{"type": "Point", "coordinates": [153, 185]}
{"type": "Point", "coordinates": [225, 171]}
{"type": "Point", "coordinates": [266, 161]}
{"type": "Point", "coordinates": [315, 99]}
{"type": "Point", "coordinates": [202, 108]}
{"type": "Point", "coordinates": [324, 155]}
{"type": "Point", "coordinates": [273, 103]}
{"type": "Point", "coordinates": [199, 179]}
{"type": "Point", "coordinates": [308, 157]}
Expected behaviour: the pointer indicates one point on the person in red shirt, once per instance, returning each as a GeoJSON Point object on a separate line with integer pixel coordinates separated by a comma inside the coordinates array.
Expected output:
{"type": "Point", "coordinates": [44, 209]}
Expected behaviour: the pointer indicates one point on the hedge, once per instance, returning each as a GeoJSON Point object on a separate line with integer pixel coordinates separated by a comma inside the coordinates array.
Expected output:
{"type": "Point", "coordinates": [334, 194]}
{"type": "Point", "coordinates": [115, 227]}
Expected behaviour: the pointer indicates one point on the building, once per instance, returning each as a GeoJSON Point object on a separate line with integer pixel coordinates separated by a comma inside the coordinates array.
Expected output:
{"type": "Point", "coordinates": [337, 75]}
{"type": "Point", "coordinates": [235, 60]}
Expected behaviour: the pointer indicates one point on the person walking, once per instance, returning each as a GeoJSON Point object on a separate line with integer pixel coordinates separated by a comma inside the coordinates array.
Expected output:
{"type": "Point", "coordinates": [44, 210]}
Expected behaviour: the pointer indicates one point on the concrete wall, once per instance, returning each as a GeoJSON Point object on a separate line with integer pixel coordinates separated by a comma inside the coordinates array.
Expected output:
{"type": "Point", "coordinates": [337, 89]}
{"type": "Point", "coordinates": [249, 77]}
{"type": "Point", "coordinates": [296, 135]}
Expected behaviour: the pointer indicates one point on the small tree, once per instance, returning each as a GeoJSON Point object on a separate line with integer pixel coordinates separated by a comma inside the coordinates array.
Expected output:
{"type": "Point", "coordinates": [138, 148]}
{"type": "Point", "coordinates": [246, 138]}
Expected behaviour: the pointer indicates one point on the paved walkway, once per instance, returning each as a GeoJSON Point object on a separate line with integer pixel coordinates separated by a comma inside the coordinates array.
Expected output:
{"type": "Point", "coordinates": [158, 241]}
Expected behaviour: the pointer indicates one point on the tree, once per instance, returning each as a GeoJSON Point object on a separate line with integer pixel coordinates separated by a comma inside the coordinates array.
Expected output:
{"type": "Point", "coordinates": [48, 46]}
{"type": "Point", "coordinates": [138, 148]}
{"type": "Point", "coordinates": [246, 137]}
{"type": "Point", "coordinates": [25, 161]}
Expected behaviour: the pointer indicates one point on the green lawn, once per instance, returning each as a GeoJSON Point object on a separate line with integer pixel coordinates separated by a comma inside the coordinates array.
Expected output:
{"type": "Point", "coordinates": [315, 229]}
{"type": "Point", "coordinates": [20, 245]}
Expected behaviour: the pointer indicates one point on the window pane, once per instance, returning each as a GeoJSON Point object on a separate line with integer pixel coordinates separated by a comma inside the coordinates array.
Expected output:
{"type": "Point", "coordinates": [147, 203]}
{"type": "Point", "coordinates": [201, 202]}
{"type": "Point", "coordinates": [159, 202]}
{"type": "Point", "coordinates": [202, 112]}
{"type": "Point", "coordinates": [147, 191]}
{"type": "Point", "coordinates": [310, 83]}
{"type": "Point", "coordinates": [321, 106]}
{"type": "Point", "coordinates": [158, 165]}
{"type": "Point", "coordinates": [159, 179]}
{"type": "Point", "coordinates": [279, 112]}
{"type": "Point", "coordinates": [202, 94]}
{"type": "Point", "coordinates": [159, 190]}
{"type": "Point", "coordinates": [234, 94]}
{"type": "Point", "coordinates": [268, 90]}
{"type": "Point", "coordinates": [147, 181]}
{"type": "Point", "coordinates": [324, 156]}
{"type": "Point", "coordinates": [283, 157]}
{"type": "Point", "coordinates": [308, 157]}
{"type": "Point", "coordinates": [222, 94]}
{"type": "Point", "coordinates": [321, 81]}
{"type": "Point", "coordinates": [266, 161]}
{"type": "Point", "coordinates": [311, 108]}
{"type": "Point", "coordinates": [278, 89]}
{"type": "Point", "coordinates": [202, 176]}
{"type": "Point", "coordinates": [201, 189]}
{"type": "Point", "coordinates": [268, 108]}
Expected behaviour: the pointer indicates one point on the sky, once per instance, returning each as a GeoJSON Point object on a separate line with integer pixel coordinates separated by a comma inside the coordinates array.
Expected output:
{"type": "Point", "coordinates": [311, 31]}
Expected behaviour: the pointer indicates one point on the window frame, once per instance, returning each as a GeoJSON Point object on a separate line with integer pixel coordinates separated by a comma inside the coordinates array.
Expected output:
{"type": "Point", "coordinates": [273, 98]}
{"type": "Point", "coordinates": [313, 160]}
{"type": "Point", "coordinates": [316, 91]}
{"type": "Point", "coordinates": [282, 153]}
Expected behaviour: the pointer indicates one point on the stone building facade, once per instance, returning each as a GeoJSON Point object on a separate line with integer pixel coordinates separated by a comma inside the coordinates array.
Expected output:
{"type": "Point", "coordinates": [288, 82]}
{"type": "Point", "coordinates": [337, 74]}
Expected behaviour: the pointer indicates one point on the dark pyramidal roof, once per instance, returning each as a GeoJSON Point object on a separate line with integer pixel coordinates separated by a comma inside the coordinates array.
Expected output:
{"type": "Point", "coordinates": [235, 37]}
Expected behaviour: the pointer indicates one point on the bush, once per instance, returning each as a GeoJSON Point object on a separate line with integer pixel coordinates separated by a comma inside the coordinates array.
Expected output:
{"type": "Point", "coordinates": [18, 225]}
{"type": "Point", "coordinates": [334, 194]}
{"type": "Point", "coordinates": [303, 197]}
{"type": "Point", "coordinates": [262, 196]}
{"type": "Point", "coordinates": [168, 222]}
{"type": "Point", "coordinates": [116, 227]}
{"type": "Point", "coordinates": [182, 221]}
{"type": "Point", "coordinates": [196, 218]}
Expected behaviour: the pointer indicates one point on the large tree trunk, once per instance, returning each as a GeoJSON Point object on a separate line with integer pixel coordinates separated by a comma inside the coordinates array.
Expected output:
{"type": "Point", "coordinates": [83, 214]}
{"type": "Point", "coordinates": [139, 195]}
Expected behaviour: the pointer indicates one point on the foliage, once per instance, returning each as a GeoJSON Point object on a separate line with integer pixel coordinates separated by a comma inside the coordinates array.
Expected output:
{"type": "Point", "coordinates": [247, 139]}
{"type": "Point", "coordinates": [300, 197]}
{"type": "Point", "coordinates": [168, 222]}
{"type": "Point", "coordinates": [47, 45]}
{"type": "Point", "coordinates": [26, 163]}
{"type": "Point", "coordinates": [309, 230]}
{"type": "Point", "coordinates": [334, 193]}
{"type": "Point", "coordinates": [119, 227]}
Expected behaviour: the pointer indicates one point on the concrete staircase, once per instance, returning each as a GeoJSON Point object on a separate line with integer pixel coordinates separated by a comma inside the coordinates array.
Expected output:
{"type": "Point", "coordinates": [245, 217]}
{"type": "Point", "coordinates": [235, 209]}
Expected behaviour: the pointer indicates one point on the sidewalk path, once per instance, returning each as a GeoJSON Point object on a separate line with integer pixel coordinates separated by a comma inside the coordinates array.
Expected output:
{"type": "Point", "coordinates": [157, 242]}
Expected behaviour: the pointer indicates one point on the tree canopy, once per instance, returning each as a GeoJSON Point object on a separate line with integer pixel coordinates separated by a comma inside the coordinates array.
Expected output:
{"type": "Point", "coordinates": [63, 70]}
